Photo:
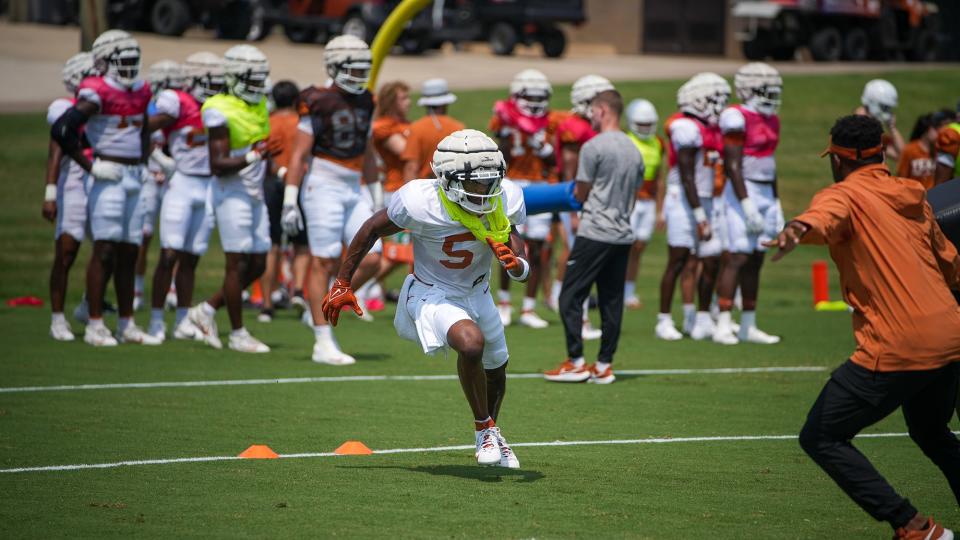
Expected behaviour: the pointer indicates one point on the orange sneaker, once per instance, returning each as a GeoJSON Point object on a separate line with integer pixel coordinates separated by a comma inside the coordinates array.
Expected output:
{"type": "Point", "coordinates": [934, 531]}
{"type": "Point", "coordinates": [604, 377]}
{"type": "Point", "coordinates": [568, 372]}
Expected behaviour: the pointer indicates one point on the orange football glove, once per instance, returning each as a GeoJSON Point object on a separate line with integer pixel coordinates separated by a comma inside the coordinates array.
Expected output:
{"type": "Point", "coordinates": [504, 254]}
{"type": "Point", "coordinates": [339, 297]}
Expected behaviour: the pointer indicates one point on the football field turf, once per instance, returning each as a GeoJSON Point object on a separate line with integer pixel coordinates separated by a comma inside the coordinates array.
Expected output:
{"type": "Point", "coordinates": [677, 447]}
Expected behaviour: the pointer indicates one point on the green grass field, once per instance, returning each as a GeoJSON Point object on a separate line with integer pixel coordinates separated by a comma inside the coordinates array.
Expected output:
{"type": "Point", "coordinates": [686, 488]}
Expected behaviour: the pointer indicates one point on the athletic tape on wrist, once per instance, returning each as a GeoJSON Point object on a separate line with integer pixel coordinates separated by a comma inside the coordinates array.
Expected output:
{"type": "Point", "coordinates": [50, 193]}
{"type": "Point", "coordinates": [523, 275]}
{"type": "Point", "coordinates": [290, 195]}
{"type": "Point", "coordinates": [700, 215]}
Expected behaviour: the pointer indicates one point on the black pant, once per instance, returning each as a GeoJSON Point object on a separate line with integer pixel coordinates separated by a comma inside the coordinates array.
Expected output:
{"type": "Point", "coordinates": [855, 398]}
{"type": "Point", "coordinates": [606, 265]}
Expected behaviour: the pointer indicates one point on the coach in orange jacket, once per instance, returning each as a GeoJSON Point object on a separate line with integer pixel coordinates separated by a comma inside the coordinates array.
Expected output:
{"type": "Point", "coordinates": [896, 270]}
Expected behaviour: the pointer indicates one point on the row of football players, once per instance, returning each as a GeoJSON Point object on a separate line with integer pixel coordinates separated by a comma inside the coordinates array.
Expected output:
{"type": "Point", "coordinates": [215, 124]}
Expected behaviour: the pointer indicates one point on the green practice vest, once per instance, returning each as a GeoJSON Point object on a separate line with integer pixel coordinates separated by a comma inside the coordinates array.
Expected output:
{"type": "Point", "coordinates": [652, 151]}
{"type": "Point", "coordinates": [246, 123]}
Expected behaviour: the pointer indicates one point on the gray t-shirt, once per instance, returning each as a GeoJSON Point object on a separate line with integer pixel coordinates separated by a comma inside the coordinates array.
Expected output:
{"type": "Point", "coordinates": [613, 164]}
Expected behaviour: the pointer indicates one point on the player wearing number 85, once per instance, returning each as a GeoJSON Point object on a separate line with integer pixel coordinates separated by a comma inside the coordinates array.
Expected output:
{"type": "Point", "coordinates": [334, 129]}
{"type": "Point", "coordinates": [457, 223]}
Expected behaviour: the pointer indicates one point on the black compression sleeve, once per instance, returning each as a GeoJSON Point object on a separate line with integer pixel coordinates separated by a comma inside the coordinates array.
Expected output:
{"type": "Point", "coordinates": [66, 130]}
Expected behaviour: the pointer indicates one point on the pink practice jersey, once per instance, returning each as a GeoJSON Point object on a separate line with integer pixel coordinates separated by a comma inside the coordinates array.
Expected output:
{"type": "Point", "coordinates": [186, 138]}
{"type": "Point", "coordinates": [761, 137]}
{"type": "Point", "coordinates": [115, 129]}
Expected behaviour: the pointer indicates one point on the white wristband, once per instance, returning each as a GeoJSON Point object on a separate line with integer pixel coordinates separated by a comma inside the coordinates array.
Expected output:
{"type": "Point", "coordinates": [700, 215]}
{"type": "Point", "coordinates": [545, 151]}
{"type": "Point", "coordinates": [523, 275]}
{"type": "Point", "coordinates": [290, 195]}
{"type": "Point", "coordinates": [252, 157]}
{"type": "Point", "coordinates": [748, 206]}
{"type": "Point", "coordinates": [282, 173]}
{"type": "Point", "coordinates": [50, 193]}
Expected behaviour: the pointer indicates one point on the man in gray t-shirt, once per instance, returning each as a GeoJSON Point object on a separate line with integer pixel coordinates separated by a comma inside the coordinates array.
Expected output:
{"type": "Point", "coordinates": [613, 167]}
{"type": "Point", "coordinates": [609, 173]}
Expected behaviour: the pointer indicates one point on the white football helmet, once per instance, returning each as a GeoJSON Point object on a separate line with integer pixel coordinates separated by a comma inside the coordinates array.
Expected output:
{"type": "Point", "coordinates": [584, 90]}
{"type": "Point", "coordinates": [880, 99]}
{"type": "Point", "coordinates": [531, 91]}
{"type": "Point", "coordinates": [117, 55]}
{"type": "Point", "coordinates": [470, 168]}
{"type": "Point", "coordinates": [705, 96]}
{"type": "Point", "coordinates": [642, 118]}
{"type": "Point", "coordinates": [348, 62]}
{"type": "Point", "coordinates": [165, 74]}
{"type": "Point", "coordinates": [77, 68]}
{"type": "Point", "coordinates": [245, 73]}
{"type": "Point", "coordinates": [204, 75]}
{"type": "Point", "coordinates": [759, 86]}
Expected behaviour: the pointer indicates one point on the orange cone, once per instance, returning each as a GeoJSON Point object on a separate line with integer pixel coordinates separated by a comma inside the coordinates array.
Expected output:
{"type": "Point", "coordinates": [821, 283]}
{"type": "Point", "coordinates": [259, 451]}
{"type": "Point", "coordinates": [353, 448]}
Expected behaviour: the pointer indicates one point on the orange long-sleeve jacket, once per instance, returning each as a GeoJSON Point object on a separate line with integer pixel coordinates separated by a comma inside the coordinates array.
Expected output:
{"type": "Point", "coordinates": [896, 269]}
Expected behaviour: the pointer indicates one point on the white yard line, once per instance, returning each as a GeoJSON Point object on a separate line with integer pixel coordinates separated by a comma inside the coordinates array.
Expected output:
{"type": "Point", "coordinates": [665, 440]}
{"type": "Point", "coordinates": [366, 378]}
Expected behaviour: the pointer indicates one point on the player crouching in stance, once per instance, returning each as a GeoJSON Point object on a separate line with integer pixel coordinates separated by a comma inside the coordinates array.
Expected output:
{"type": "Point", "coordinates": [113, 109]}
{"type": "Point", "coordinates": [751, 131]}
{"type": "Point", "coordinates": [237, 125]}
{"type": "Point", "coordinates": [186, 212]}
{"type": "Point", "coordinates": [456, 223]}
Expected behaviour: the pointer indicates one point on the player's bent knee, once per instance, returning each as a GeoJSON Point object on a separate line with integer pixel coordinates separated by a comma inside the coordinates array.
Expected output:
{"type": "Point", "coordinates": [466, 338]}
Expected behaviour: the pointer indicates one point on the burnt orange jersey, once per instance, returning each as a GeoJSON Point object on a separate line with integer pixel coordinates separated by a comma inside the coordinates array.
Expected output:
{"type": "Point", "coordinates": [392, 169]}
{"type": "Point", "coordinates": [425, 134]}
{"type": "Point", "coordinates": [917, 163]}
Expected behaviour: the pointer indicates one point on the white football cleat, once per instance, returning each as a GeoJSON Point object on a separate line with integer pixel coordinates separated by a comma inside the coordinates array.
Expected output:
{"type": "Point", "coordinates": [632, 302]}
{"type": "Point", "coordinates": [326, 352]}
{"type": "Point", "coordinates": [367, 316]}
{"type": "Point", "coordinates": [158, 330]}
{"type": "Point", "coordinates": [507, 458]}
{"type": "Point", "coordinates": [725, 337]}
{"type": "Point", "coordinates": [187, 330]}
{"type": "Point", "coordinates": [589, 333]}
{"type": "Point", "coordinates": [532, 320]}
{"type": "Point", "coordinates": [60, 331]}
{"type": "Point", "coordinates": [244, 342]}
{"type": "Point", "coordinates": [99, 336]}
{"type": "Point", "coordinates": [704, 329]}
{"type": "Point", "coordinates": [755, 335]}
{"type": "Point", "coordinates": [666, 331]}
{"type": "Point", "coordinates": [488, 449]}
{"type": "Point", "coordinates": [299, 305]}
{"type": "Point", "coordinates": [264, 317]}
{"type": "Point", "coordinates": [207, 326]}
{"type": "Point", "coordinates": [134, 334]}
{"type": "Point", "coordinates": [506, 313]}
{"type": "Point", "coordinates": [81, 313]}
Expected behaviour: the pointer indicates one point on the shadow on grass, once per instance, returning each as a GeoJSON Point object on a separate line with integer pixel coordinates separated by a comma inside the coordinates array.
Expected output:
{"type": "Point", "coordinates": [483, 474]}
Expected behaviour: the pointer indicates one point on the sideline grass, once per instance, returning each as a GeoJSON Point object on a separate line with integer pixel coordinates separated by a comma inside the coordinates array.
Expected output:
{"type": "Point", "coordinates": [719, 489]}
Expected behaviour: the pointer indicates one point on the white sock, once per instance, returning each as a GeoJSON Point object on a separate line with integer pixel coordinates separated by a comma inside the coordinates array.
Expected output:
{"type": "Point", "coordinates": [577, 362]}
{"type": "Point", "coordinates": [156, 315]}
{"type": "Point", "coordinates": [138, 284]}
{"type": "Point", "coordinates": [689, 310]}
{"type": "Point", "coordinates": [207, 309]}
{"type": "Point", "coordinates": [703, 317]}
{"type": "Point", "coordinates": [664, 317]}
{"type": "Point", "coordinates": [748, 319]}
{"type": "Point", "coordinates": [322, 332]}
{"type": "Point", "coordinates": [630, 289]}
{"type": "Point", "coordinates": [586, 311]}
{"type": "Point", "coordinates": [723, 321]}
{"type": "Point", "coordinates": [601, 366]}
{"type": "Point", "coordinates": [503, 296]}
{"type": "Point", "coordinates": [181, 314]}
{"type": "Point", "coordinates": [555, 290]}
{"type": "Point", "coordinates": [57, 318]}
{"type": "Point", "coordinates": [123, 323]}
{"type": "Point", "coordinates": [95, 323]}
{"type": "Point", "coordinates": [239, 332]}
{"type": "Point", "coordinates": [529, 303]}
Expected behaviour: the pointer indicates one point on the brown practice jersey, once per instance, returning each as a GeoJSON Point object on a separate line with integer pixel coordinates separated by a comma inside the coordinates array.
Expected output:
{"type": "Point", "coordinates": [341, 124]}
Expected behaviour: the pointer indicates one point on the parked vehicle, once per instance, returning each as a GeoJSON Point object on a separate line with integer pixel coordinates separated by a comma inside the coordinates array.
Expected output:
{"type": "Point", "coordinates": [838, 30]}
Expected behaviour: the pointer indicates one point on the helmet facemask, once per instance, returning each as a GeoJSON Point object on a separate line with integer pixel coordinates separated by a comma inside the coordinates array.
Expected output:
{"type": "Point", "coordinates": [351, 75]}
{"type": "Point", "coordinates": [475, 190]}
{"type": "Point", "coordinates": [250, 86]}
{"type": "Point", "coordinates": [206, 86]}
{"type": "Point", "coordinates": [534, 103]}
{"type": "Point", "coordinates": [881, 111]}
{"type": "Point", "coordinates": [766, 99]}
{"type": "Point", "coordinates": [124, 65]}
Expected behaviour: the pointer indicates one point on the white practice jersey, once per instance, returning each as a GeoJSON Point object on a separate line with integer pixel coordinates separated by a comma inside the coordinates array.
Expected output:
{"type": "Point", "coordinates": [71, 174]}
{"type": "Point", "coordinates": [187, 140]}
{"type": "Point", "coordinates": [252, 175]}
{"type": "Point", "coordinates": [445, 253]}
{"type": "Point", "coordinates": [684, 134]}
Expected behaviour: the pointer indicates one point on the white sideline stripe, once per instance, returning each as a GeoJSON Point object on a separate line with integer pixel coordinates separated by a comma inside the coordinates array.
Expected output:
{"type": "Point", "coordinates": [664, 440]}
{"type": "Point", "coordinates": [361, 378]}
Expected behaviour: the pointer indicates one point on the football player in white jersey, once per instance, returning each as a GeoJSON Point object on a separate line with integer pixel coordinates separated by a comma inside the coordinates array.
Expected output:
{"type": "Point", "coordinates": [65, 199]}
{"type": "Point", "coordinates": [113, 110]}
{"type": "Point", "coordinates": [457, 223]}
{"type": "Point", "coordinates": [162, 75]}
{"type": "Point", "coordinates": [880, 100]}
{"type": "Point", "coordinates": [186, 214]}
